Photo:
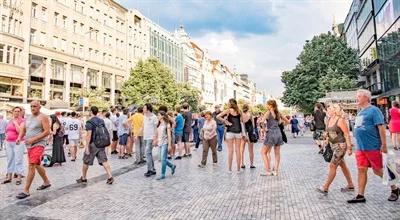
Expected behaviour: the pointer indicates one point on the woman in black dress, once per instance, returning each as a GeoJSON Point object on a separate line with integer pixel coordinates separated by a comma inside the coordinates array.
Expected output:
{"type": "Point", "coordinates": [58, 156]}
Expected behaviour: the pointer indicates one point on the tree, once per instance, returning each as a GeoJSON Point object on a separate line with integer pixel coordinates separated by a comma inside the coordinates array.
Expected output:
{"type": "Point", "coordinates": [325, 64]}
{"type": "Point", "coordinates": [259, 108]}
{"type": "Point", "coordinates": [95, 98]}
{"type": "Point", "coordinates": [151, 82]}
{"type": "Point", "coordinates": [186, 93]}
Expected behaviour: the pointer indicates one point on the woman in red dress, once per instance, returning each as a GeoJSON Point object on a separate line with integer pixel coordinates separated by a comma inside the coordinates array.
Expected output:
{"type": "Point", "coordinates": [394, 124]}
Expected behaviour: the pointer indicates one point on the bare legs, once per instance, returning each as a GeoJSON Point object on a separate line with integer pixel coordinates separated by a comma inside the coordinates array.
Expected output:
{"type": "Point", "coordinates": [234, 146]}
{"type": "Point", "coordinates": [265, 151]}
{"type": "Point", "coordinates": [332, 175]}
{"type": "Point", "coordinates": [395, 140]}
{"type": "Point", "coordinates": [31, 174]}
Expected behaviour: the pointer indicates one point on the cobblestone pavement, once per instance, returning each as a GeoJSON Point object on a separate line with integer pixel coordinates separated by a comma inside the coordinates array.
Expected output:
{"type": "Point", "coordinates": [210, 193]}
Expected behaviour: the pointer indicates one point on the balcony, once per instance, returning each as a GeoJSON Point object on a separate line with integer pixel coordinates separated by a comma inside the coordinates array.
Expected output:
{"type": "Point", "coordinates": [375, 89]}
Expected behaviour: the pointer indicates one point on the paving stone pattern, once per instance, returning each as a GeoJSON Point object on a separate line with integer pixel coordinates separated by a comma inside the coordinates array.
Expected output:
{"type": "Point", "coordinates": [209, 193]}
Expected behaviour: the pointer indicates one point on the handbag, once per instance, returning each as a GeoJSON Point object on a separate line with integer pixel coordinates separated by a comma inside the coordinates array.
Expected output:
{"type": "Point", "coordinates": [328, 153]}
{"type": "Point", "coordinates": [312, 126]}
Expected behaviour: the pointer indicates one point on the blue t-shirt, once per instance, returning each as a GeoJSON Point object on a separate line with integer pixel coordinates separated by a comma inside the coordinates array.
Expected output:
{"type": "Point", "coordinates": [121, 128]}
{"type": "Point", "coordinates": [91, 126]}
{"type": "Point", "coordinates": [366, 129]}
{"type": "Point", "coordinates": [180, 122]}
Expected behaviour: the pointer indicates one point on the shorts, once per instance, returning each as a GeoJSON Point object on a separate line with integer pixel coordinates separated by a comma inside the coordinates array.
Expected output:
{"type": "Point", "coordinates": [66, 141]}
{"type": "Point", "coordinates": [231, 135]}
{"type": "Point", "coordinates": [74, 142]}
{"type": "Point", "coordinates": [114, 136]}
{"type": "Point", "coordinates": [95, 152]}
{"type": "Point", "coordinates": [367, 159]}
{"type": "Point", "coordinates": [339, 151]}
{"type": "Point", "coordinates": [318, 135]}
{"type": "Point", "coordinates": [178, 138]}
{"type": "Point", "coordinates": [186, 137]}
{"type": "Point", "coordinates": [123, 139]}
{"type": "Point", "coordinates": [35, 154]}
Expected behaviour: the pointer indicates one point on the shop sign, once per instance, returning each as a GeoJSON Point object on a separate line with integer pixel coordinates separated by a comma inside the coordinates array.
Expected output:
{"type": "Point", "coordinates": [382, 101]}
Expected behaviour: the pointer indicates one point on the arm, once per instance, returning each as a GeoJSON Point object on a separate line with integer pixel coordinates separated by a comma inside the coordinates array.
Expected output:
{"type": "Point", "coordinates": [221, 115]}
{"type": "Point", "coordinates": [382, 134]}
{"type": "Point", "coordinates": [285, 120]}
{"type": "Point", "coordinates": [155, 130]}
{"type": "Point", "coordinates": [21, 133]}
{"type": "Point", "coordinates": [343, 126]}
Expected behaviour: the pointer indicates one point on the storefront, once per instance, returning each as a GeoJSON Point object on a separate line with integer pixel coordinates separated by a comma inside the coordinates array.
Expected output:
{"type": "Point", "coordinates": [11, 89]}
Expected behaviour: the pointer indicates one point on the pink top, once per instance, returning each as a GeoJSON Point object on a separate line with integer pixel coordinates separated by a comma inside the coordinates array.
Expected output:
{"type": "Point", "coordinates": [394, 123]}
{"type": "Point", "coordinates": [11, 131]}
{"type": "Point", "coordinates": [209, 129]}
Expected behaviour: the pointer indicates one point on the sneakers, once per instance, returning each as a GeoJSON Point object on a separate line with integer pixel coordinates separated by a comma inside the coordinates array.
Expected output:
{"type": "Point", "coordinates": [173, 170]}
{"type": "Point", "coordinates": [150, 173]}
{"type": "Point", "coordinates": [201, 166]}
{"type": "Point", "coordinates": [161, 178]}
{"type": "Point", "coordinates": [357, 199]}
{"type": "Point", "coordinates": [110, 180]}
{"type": "Point", "coordinates": [81, 180]}
{"type": "Point", "coordinates": [394, 196]}
{"type": "Point", "coordinates": [324, 192]}
{"type": "Point", "coordinates": [178, 158]}
{"type": "Point", "coordinates": [243, 167]}
{"type": "Point", "coordinates": [219, 149]}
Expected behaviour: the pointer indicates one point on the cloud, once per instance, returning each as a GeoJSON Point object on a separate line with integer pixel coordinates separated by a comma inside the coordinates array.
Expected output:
{"type": "Point", "coordinates": [260, 38]}
{"type": "Point", "coordinates": [240, 17]}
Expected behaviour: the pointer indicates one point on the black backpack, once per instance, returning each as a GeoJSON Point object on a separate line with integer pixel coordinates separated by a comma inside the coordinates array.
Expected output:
{"type": "Point", "coordinates": [101, 138]}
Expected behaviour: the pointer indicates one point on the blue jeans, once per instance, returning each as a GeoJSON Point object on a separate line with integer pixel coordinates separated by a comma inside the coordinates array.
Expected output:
{"type": "Point", "coordinates": [220, 135]}
{"type": "Point", "coordinates": [2, 137]}
{"type": "Point", "coordinates": [149, 154]}
{"type": "Point", "coordinates": [196, 137]}
{"type": "Point", "coordinates": [15, 157]}
{"type": "Point", "coordinates": [164, 160]}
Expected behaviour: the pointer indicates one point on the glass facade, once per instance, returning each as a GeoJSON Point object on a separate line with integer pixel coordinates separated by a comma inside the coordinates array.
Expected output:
{"type": "Point", "coordinates": [364, 14]}
{"type": "Point", "coordinates": [389, 51]}
{"type": "Point", "coordinates": [386, 16]}
{"type": "Point", "coordinates": [168, 53]}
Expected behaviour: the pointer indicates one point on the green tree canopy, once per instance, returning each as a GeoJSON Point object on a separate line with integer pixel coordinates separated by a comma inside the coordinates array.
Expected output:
{"type": "Point", "coordinates": [152, 82]}
{"type": "Point", "coordinates": [325, 64]}
{"type": "Point", "coordinates": [95, 98]}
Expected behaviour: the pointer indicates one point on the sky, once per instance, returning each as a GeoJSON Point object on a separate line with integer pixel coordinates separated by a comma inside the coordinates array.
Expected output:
{"type": "Point", "coordinates": [261, 38]}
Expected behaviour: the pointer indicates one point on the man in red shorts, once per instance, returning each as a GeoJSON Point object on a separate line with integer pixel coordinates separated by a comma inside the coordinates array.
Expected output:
{"type": "Point", "coordinates": [35, 129]}
{"type": "Point", "coordinates": [371, 143]}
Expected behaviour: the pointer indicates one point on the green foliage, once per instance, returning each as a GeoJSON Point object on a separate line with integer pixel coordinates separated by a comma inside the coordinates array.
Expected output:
{"type": "Point", "coordinates": [187, 93]}
{"type": "Point", "coordinates": [325, 64]}
{"type": "Point", "coordinates": [259, 108]}
{"type": "Point", "coordinates": [152, 82]}
{"type": "Point", "coordinates": [95, 97]}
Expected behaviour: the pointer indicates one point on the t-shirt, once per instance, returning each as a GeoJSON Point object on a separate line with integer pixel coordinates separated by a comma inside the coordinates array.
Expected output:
{"type": "Point", "coordinates": [319, 119]}
{"type": "Point", "coordinates": [108, 124]}
{"type": "Point", "coordinates": [91, 125]}
{"type": "Point", "coordinates": [366, 128]}
{"type": "Point", "coordinates": [179, 123]}
{"type": "Point", "coordinates": [3, 125]}
{"type": "Point", "coordinates": [149, 126]}
{"type": "Point", "coordinates": [137, 124]}
{"type": "Point", "coordinates": [74, 128]}
{"type": "Point", "coordinates": [162, 134]}
{"type": "Point", "coordinates": [188, 121]}
{"type": "Point", "coordinates": [64, 121]}
{"type": "Point", "coordinates": [114, 120]}
{"type": "Point", "coordinates": [11, 131]}
{"type": "Point", "coordinates": [121, 127]}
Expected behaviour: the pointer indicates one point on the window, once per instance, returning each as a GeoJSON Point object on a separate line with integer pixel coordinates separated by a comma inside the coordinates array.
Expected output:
{"type": "Point", "coordinates": [15, 52]}
{"type": "Point", "coordinates": [104, 57]}
{"type": "Point", "coordinates": [3, 23]}
{"type": "Point", "coordinates": [64, 21]}
{"type": "Point", "coordinates": [34, 10]}
{"type": "Point", "coordinates": [91, 11]}
{"type": "Point", "coordinates": [81, 52]}
{"type": "Point", "coordinates": [76, 74]}
{"type": "Point", "coordinates": [58, 70]}
{"type": "Point", "coordinates": [63, 45]}
{"type": "Point", "coordinates": [104, 38]}
{"type": "Point", "coordinates": [74, 48]}
{"type": "Point", "coordinates": [106, 80]}
{"type": "Point", "coordinates": [43, 14]}
{"type": "Point", "coordinates": [56, 18]}
{"type": "Point", "coordinates": [55, 41]}
{"type": "Point", "coordinates": [74, 25]}
{"type": "Point", "coordinates": [90, 53]}
{"type": "Point", "coordinates": [42, 38]}
{"type": "Point", "coordinates": [81, 30]}
{"type": "Point", "coordinates": [8, 54]}
{"type": "Point", "coordinates": [33, 36]}
{"type": "Point", "coordinates": [1, 53]}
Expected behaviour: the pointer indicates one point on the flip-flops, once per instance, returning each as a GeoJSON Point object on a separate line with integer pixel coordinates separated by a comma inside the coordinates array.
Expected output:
{"type": "Point", "coordinates": [22, 195]}
{"type": "Point", "coordinates": [43, 187]}
{"type": "Point", "coordinates": [18, 182]}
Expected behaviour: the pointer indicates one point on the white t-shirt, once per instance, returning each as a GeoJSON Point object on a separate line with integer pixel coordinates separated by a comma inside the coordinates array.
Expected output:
{"type": "Point", "coordinates": [74, 128]}
{"type": "Point", "coordinates": [64, 121]}
{"type": "Point", "coordinates": [114, 120]}
{"type": "Point", "coordinates": [109, 125]}
{"type": "Point", "coordinates": [149, 126]}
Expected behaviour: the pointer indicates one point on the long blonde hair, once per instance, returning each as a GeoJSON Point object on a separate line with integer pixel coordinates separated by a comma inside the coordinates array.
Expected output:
{"type": "Point", "coordinates": [274, 106]}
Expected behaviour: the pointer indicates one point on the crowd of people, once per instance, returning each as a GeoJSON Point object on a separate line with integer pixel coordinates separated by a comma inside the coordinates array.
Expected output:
{"type": "Point", "coordinates": [134, 132]}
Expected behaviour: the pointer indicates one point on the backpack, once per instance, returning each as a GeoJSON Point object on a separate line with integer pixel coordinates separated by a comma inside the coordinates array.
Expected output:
{"type": "Point", "coordinates": [101, 137]}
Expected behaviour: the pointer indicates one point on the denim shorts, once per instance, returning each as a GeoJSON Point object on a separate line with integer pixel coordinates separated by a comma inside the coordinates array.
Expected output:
{"type": "Point", "coordinates": [123, 139]}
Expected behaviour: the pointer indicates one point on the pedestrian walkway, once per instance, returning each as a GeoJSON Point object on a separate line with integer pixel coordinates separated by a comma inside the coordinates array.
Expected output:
{"type": "Point", "coordinates": [210, 193]}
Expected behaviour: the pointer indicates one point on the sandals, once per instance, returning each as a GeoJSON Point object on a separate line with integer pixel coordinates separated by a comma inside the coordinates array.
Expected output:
{"type": "Point", "coordinates": [22, 195]}
{"type": "Point", "coordinates": [324, 192]}
{"type": "Point", "coordinates": [347, 189]}
{"type": "Point", "coordinates": [43, 187]}
{"type": "Point", "coordinates": [6, 181]}
{"type": "Point", "coordinates": [18, 182]}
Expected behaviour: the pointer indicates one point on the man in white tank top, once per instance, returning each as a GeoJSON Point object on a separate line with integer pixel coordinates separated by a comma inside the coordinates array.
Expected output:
{"type": "Point", "coordinates": [74, 126]}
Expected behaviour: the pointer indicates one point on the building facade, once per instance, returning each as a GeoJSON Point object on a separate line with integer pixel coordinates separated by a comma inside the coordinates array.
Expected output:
{"type": "Point", "coordinates": [377, 26]}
